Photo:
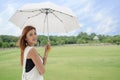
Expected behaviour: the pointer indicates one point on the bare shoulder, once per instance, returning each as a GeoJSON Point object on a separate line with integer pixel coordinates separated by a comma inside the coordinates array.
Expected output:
{"type": "Point", "coordinates": [32, 50]}
{"type": "Point", "coordinates": [32, 53]}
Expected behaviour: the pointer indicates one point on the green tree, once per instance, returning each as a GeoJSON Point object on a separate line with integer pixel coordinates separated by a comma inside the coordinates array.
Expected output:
{"type": "Point", "coordinates": [116, 39]}
{"type": "Point", "coordinates": [5, 45]}
{"type": "Point", "coordinates": [1, 44]}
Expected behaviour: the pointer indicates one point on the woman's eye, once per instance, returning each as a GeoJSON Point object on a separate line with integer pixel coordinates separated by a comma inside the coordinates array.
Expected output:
{"type": "Point", "coordinates": [30, 34]}
{"type": "Point", "coordinates": [35, 33]}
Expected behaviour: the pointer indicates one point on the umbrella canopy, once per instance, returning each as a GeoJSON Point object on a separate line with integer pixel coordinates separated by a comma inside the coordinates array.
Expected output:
{"type": "Point", "coordinates": [46, 17]}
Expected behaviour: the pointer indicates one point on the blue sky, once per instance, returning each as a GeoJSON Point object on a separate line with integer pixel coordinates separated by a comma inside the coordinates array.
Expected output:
{"type": "Point", "coordinates": [94, 16]}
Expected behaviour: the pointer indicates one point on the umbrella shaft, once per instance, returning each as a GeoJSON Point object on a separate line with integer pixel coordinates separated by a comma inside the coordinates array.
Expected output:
{"type": "Point", "coordinates": [47, 26]}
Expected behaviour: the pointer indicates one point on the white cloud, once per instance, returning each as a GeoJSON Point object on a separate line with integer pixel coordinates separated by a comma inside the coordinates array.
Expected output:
{"type": "Point", "coordinates": [6, 27]}
{"type": "Point", "coordinates": [72, 3]}
{"type": "Point", "coordinates": [10, 29]}
{"type": "Point", "coordinates": [105, 26]}
{"type": "Point", "coordinates": [86, 8]}
{"type": "Point", "coordinates": [1, 20]}
{"type": "Point", "coordinates": [83, 9]}
{"type": "Point", "coordinates": [81, 25]}
{"type": "Point", "coordinates": [3, 12]}
{"type": "Point", "coordinates": [105, 22]}
{"type": "Point", "coordinates": [100, 21]}
{"type": "Point", "coordinates": [89, 30]}
{"type": "Point", "coordinates": [10, 9]}
{"type": "Point", "coordinates": [98, 16]}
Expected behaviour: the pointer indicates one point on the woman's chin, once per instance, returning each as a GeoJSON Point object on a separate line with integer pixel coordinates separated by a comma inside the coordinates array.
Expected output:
{"type": "Point", "coordinates": [35, 42]}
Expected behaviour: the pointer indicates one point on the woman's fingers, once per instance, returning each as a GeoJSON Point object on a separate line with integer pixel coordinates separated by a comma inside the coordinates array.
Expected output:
{"type": "Point", "coordinates": [48, 47]}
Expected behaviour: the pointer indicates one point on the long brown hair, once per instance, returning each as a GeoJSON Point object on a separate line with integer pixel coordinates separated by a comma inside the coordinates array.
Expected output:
{"type": "Point", "coordinates": [22, 42]}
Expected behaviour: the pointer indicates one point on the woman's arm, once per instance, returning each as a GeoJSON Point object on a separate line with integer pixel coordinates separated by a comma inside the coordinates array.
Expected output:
{"type": "Point", "coordinates": [36, 59]}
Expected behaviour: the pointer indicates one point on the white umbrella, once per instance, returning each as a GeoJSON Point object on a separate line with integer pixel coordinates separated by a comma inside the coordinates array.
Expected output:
{"type": "Point", "coordinates": [46, 17]}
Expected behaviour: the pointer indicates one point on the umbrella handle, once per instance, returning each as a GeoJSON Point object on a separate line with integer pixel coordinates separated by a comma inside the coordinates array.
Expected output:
{"type": "Point", "coordinates": [48, 47]}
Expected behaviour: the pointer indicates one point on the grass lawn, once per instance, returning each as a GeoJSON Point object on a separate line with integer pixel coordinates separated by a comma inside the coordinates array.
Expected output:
{"type": "Point", "coordinates": [68, 63]}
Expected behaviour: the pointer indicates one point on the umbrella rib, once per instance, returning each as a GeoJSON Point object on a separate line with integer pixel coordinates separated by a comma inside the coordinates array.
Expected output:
{"type": "Point", "coordinates": [28, 11]}
{"type": "Point", "coordinates": [60, 21]}
{"type": "Point", "coordinates": [32, 11]}
{"type": "Point", "coordinates": [35, 15]}
{"type": "Point", "coordinates": [63, 13]}
{"type": "Point", "coordinates": [40, 10]}
{"type": "Point", "coordinates": [25, 22]}
{"type": "Point", "coordinates": [57, 17]}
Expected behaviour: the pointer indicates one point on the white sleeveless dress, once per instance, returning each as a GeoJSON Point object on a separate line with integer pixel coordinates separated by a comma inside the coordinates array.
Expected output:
{"type": "Point", "coordinates": [32, 74]}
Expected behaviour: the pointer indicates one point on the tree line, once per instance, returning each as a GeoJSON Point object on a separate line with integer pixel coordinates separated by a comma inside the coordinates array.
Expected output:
{"type": "Point", "coordinates": [82, 38]}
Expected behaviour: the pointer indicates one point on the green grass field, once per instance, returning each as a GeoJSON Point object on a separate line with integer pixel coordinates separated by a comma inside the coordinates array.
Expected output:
{"type": "Point", "coordinates": [68, 63]}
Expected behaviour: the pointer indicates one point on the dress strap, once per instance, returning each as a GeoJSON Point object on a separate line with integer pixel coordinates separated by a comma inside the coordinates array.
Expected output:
{"type": "Point", "coordinates": [26, 51]}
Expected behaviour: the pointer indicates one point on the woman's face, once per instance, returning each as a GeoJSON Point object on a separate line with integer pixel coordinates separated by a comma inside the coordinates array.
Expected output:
{"type": "Point", "coordinates": [31, 37]}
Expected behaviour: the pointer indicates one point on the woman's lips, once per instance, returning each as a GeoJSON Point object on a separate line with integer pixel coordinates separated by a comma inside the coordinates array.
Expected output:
{"type": "Point", "coordinates": [34, 39]}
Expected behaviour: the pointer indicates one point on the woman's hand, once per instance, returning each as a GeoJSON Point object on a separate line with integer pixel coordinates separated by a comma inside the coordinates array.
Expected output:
{"type": "Point", "coordinates": [47, 47]}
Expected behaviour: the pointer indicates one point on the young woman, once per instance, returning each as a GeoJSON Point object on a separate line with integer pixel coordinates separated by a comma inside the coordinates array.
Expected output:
{"type": "Point", "coordinates": [33, 64]}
